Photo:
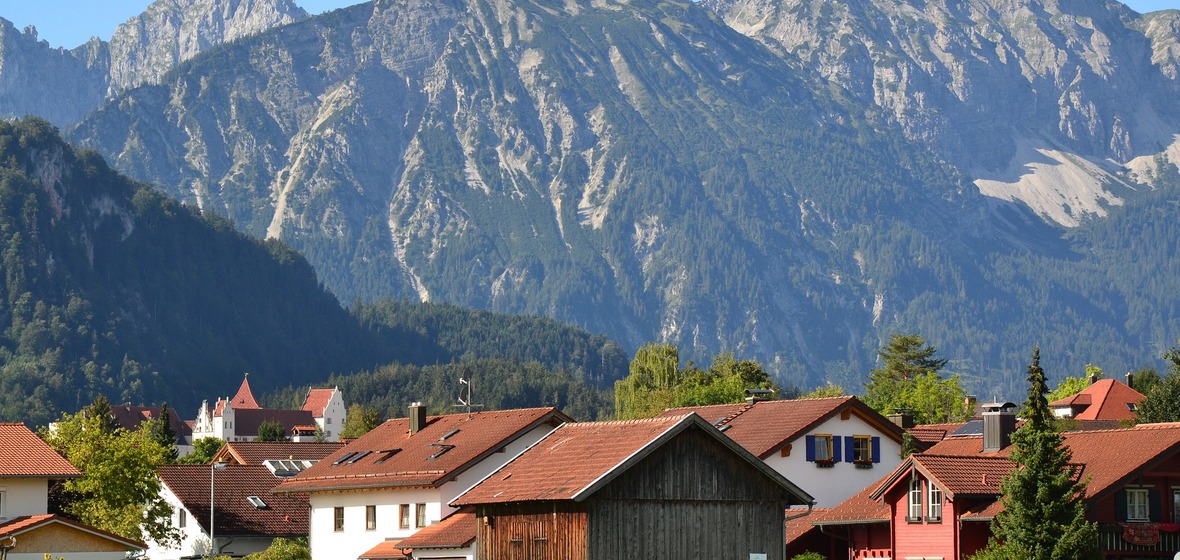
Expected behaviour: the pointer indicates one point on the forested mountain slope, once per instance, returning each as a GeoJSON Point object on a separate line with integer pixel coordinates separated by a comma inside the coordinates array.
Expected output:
{"type": "Point", "coordinates": [110, 287]}
{"type": "Point", "coordinates": [642, 169]}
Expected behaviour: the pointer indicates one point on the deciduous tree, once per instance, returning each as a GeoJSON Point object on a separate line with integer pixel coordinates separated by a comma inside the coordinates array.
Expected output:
{"type": "Point", "coordinates": [118, 490]}
{"type": "Point", "coordinates": [271, 430]}
{"type": "Point", "coordinates": [203, 451]}
{"type": "Point", "coordinates": [359, 421]}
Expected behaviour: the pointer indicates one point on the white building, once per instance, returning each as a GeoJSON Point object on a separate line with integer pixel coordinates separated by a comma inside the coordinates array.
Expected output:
{"type": "Point", "coordinates": [27, 468]}
{"type": "Point", "coordinates": [399, 478]}
{"type": "Point", "coordinates": [238, 418]}
{"type": "Point", "coordinates": [830, 447]}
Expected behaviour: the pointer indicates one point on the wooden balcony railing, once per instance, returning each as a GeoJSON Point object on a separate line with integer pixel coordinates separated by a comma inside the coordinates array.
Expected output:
{"type": "Point", "coordinates": [1111, 538]}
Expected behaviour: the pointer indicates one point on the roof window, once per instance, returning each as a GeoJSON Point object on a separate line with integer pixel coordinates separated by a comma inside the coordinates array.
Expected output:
{"type": "Point", "coordinates": [387, 453]}
{"type": "Point", "coordinates": [256, 502]}
{"type": "Point", "coordinates": [344, 458]}
{"type": "Point", "coordinates": [448, 434]}
{"type": "Point", "coordinates": [360, 456]}
{"type": "Point", "coordinates": [443, 448]}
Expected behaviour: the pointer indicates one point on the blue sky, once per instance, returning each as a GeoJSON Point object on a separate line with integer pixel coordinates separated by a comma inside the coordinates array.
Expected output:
{"type": "Point", "coordinates": [69, 23]}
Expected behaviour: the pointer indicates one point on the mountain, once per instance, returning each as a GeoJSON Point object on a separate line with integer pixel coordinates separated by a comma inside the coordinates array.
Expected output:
{"type": "Point", "coordinates": [62, 86]}
{"type": "Point", "coordinates": [107, 286]}
{"type": "Point", "coordinates": [642, 169]}
{"type": "Point", "coordinates": [1044, 102]}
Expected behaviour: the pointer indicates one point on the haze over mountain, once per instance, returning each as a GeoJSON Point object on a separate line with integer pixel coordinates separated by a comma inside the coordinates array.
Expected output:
{"type": "Point", "coordinates": [794, 185]}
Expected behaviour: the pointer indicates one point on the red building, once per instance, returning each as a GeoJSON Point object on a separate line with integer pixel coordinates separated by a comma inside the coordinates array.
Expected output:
{"type": "Point", "coordinates": [940, 503]}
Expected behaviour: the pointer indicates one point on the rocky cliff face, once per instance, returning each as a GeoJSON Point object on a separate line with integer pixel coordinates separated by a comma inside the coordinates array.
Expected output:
{"type": "Point", "coordinates": [1030, 98]}
{"type": "Point", "coordinates": [642, 169]}
{"type": "Point", "coordinates": [63, 86]}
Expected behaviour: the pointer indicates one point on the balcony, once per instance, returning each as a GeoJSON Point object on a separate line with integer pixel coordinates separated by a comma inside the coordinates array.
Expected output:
{"type": "Point", "coordinates": [1111, 538]}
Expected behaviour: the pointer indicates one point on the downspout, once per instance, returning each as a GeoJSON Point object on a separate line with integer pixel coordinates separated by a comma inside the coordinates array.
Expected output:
{"type": "Point", "coordinates": [791, 518]}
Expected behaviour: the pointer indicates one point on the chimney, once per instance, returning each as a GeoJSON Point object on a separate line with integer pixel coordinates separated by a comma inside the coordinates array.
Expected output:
{"type": "Point", "coordinates": [758, 395]}
{"type": "Point", "coordinates": [1093, 378]}
{"type": "Point", "coordinates": [969, 405]}
{"type": "Point", "coordinates": [1130, 380]}
{"type": "Point", "coordinates": [417, 417]}
{"type": "Point", "coordinates": [902, 419]}
{"type": "Point", "coordinates": [999, 421]}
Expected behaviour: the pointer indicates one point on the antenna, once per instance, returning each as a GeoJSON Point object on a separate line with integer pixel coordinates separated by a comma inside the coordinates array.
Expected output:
{"type": "Point", "coordinates": [465, 397]}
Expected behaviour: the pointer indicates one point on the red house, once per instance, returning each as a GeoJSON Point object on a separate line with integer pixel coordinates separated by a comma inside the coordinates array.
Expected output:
{"type": "Point", "coordinates": [940, 503]}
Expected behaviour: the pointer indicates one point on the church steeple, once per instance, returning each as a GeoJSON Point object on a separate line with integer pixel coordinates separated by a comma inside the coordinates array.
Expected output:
{"type": "Point", "coordinates": [244, 397]}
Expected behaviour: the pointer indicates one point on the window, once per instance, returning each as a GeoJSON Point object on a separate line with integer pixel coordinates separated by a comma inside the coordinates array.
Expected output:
{"type": "Point", "coordinates": [862, 449]}
{"type": "Point", "coordinates": [181, 518]}
{"type": "Point", "coordinates": [1175, 505]}
{"type": "Point", "coordinates": [421, 520]}
{"type": "Point", "coordinates": [338, 519]}
{"type": "Point", "coordinates": [1137, 509]}
{"type": "Point", "coordinates": [934, 506]}
{"type": "Point", "coordinates": [370, 518]}
{"type": "Point", "coordinates": [405, 516]}
{"type": "Point", "coordinates": [823, 448]}
{"type": "Point", "coordinates": [328, 420]}
{"type": "Point", "coordinates": [915, 512]}
{"type": "Point", "coordinates": [2, 504]}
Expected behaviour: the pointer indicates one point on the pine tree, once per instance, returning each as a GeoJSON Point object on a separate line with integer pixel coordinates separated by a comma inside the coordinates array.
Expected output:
{"type": "Point", "coordinates": [163, 433]}
{"type": "Point", "coordinates": [1044, 515]}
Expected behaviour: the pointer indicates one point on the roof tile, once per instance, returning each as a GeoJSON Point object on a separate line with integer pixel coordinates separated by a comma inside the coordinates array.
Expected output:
{"type": "Point", "coordinates": [23, 454]}
{"type": "Point", "coordinates": [317, 400]}
{"type": "Point", "coordinates": [256, 452]}
{"type": "Point", "coordinates": [285, 515]}
{"type": "Point", "coordinates": [446, 446]}
{"type": "Point", "coordinates": [457, 530]}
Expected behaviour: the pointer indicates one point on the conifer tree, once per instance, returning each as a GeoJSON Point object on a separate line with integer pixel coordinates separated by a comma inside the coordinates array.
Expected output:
{"type": "Point", "coordinates": [1044, 512]}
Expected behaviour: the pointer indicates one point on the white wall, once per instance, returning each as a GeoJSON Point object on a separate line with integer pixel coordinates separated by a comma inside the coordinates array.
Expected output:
{"type": "Point", "coordinates": [24, 496]}
{"type": "Point", "coordinates": [831, 486]}
{"type": "Point", "coordinates": [354, 540]}
{"type": "Point", "coordinates": [334, 415]}
{"type": "Point", "coordinates": [194, 540]}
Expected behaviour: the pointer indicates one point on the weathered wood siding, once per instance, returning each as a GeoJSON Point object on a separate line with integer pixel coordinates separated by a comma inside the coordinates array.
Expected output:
{"type": "Point", "coordinates": [692, 498]}
{"type": "Point", "coordinates": [534, 531]}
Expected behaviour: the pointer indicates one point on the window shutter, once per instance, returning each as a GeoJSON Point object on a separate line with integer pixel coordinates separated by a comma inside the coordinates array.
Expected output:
{"type": "Point", "coordinates": [811, 449]}
{"type": "Point", "coordinates": [876, 450]}
{"type": "Point", "coordinates": [849, 449]}
{"type": "Point", "coordinates": [1155, 505]}
{"type": "Point", "coordinates": [836, 449]}
{"type": "Point", "coordinates": [1120, 505]}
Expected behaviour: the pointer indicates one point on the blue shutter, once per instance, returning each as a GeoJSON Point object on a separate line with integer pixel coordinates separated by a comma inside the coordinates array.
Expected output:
{"type": "Point", "coordinates": [835, 449]}
{"type": "Point", "coordinates": [849, 449]}
{"type": "Point", "coordinates": [811, 448]}
{"type": "Point", "coordinates": [876, 450]}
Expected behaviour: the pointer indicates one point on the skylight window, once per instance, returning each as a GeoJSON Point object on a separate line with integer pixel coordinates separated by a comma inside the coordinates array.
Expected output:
{"type": "Point", "coordinates": [346, 457]}
{"type": "Point", "coordinates": [448, 434]}
{"type": "Point", "coordinates": [387, 453]}
{"type": "Point", "coordinates": [360, 456]}
{"type": "Point", "coordinates": [256, 502]}
{"type": "Point", "coordinates": [443, 448]}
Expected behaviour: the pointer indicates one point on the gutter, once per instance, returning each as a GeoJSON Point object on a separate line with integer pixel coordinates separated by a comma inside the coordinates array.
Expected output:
{"type": "Point", "coordinates": [810, 505]}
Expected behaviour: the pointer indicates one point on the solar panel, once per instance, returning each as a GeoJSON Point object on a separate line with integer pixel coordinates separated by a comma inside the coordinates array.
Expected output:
{"type": "Point", "coordinates": [971, 428]}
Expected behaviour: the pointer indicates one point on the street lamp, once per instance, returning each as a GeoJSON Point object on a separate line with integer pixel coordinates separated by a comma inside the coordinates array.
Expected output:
{"type": "Point", "coordinates": [213, 467]}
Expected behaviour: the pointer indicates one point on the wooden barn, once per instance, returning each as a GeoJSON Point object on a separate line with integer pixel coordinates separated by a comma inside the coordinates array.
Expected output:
{"type": "Point", "coordinates": [646, 489]}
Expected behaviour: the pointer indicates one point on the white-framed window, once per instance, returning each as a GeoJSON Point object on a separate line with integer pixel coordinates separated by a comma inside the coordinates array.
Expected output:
{"type": "Point", "coordinates": [915, 511]}
{"type": "Point", "coordinates": [1137, 508]}
{"type": "Point", "coordinates": [1176, 505]}
{"type": "Point", "coordinates": [934, 505]}
{"type": "Point", "coordinates": [823, 447]}
{"type": "Point", "coordinates": [181, 518]}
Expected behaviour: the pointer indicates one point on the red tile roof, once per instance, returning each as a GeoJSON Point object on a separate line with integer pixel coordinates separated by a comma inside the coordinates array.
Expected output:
{"type": "Point", "coordinates": [387, 550]}
{"type": "Point", "coordinates": [1112, 456]}
{"type": "Point", "coordinates": [1105, 399]}
{"type": "Point", "coordinates": [799, 521]}
{"type": "Point", "coordinates": [575, 460]}
{"type": "Point", "coordinates": [457, 530]}
{"type": "Point", "coordinates": [244, 397]}
{"type": "Point", "coordinates": [858, 508]}
{"type": "Point", "coordinates": [317, 400]}
{"type": "Point", "coordinates": [444, 448]}
{"type": "Point", "coordinates": [765, 426]}
{"type": "Point", "coordinates": [969, 476]}
{"type": "Point", "coordinates": [23, 454]}
{"type": "Point", "coordinates": [28, 523]}
{"type": "Point", "coordinates": [285, 515]}
{"type": "Point", "coordinates": [255, 452]}
{"type": "Point", "coordinates": [933, 433]}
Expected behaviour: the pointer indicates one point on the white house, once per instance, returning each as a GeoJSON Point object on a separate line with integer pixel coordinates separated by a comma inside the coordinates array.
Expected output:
{"type": "Point", "coordinates": [27, 468]}
{"type": "Point", "coordinates": [246, 518]}
{"type": "Point", "coordinates": [237, 418]}
{"type": "Point", "coordinates": [830, 447]}
{"type": "Point", "coordinates": [398, 478]}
